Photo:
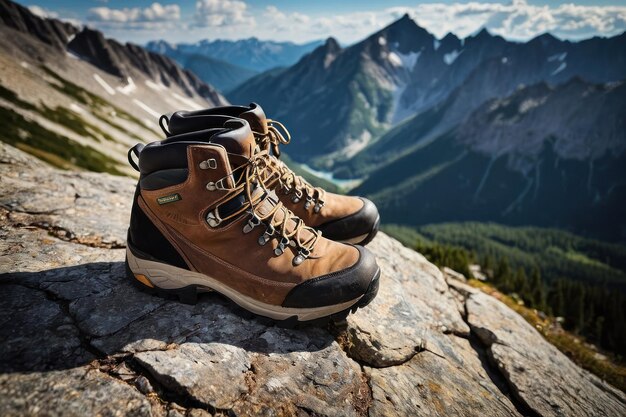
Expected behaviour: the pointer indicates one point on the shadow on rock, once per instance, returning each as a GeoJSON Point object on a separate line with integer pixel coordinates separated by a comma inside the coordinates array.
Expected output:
{"type": "Point", "coordinates": [65, 317]}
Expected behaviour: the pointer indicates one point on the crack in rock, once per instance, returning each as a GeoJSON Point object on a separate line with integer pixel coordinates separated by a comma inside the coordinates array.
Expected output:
{"type": "Point", "coordinates": [538, 374]}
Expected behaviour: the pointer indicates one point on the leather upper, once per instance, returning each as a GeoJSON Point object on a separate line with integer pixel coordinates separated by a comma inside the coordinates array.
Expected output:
{"type": "Point", "coordinates": [225, 252]}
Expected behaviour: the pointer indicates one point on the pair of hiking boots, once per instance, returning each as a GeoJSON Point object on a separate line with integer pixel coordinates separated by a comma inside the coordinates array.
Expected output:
{"type": "Point", "coordinates": [215, 209]}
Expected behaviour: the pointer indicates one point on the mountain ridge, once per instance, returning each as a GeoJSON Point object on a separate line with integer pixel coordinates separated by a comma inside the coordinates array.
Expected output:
{"type": "Point", "coordinates": [79, 100]}
{"type": "Point", "coordinates": [412, 72]}
{"type": "Point", "coordinates": [525, 159]}
{"type": "Point", "coordinates": [227, 64]}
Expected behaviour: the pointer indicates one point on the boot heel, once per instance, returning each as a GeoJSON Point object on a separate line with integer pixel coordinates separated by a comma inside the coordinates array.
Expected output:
{"type": "Point", "coordinates": [187, 294]}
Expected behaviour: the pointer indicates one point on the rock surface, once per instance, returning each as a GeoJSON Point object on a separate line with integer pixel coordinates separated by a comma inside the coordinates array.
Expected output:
{"type": "Point", "coordinates": [79, 339]}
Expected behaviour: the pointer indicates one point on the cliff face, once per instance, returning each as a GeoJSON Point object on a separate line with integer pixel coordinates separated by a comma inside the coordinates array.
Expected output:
{"type": "Point", "coordinates": [78, 339]}
{"type": "Point", "coordinates": [51, 31]}
{"type": "Point", "coordinates": [119, 60]}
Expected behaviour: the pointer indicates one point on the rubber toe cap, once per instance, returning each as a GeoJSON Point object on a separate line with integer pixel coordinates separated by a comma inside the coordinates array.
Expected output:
{"type": "Point", "coordinates": [363, 222]}
{"type": "Point", "coordinates": [338, 287]}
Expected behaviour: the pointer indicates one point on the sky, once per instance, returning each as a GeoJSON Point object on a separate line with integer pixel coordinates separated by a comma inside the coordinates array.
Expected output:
{"type": "Point", "coordinates": [348, 21]}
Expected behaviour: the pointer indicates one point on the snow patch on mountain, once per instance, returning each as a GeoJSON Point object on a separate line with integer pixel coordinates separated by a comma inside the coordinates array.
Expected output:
{"type": "Point", "coordinates": [128, 88]}
{"type": "Point", "coordinates": [154, 86]}
{"type": "Point", "coordinates": [450, 57]}
{"type": "Point", "coordinates": [407, 61]}
{"type": "Point", "coordinates": [557, 57]}
{"type": "Point", "coordinates": [560, 68]}
{"type": "Point", "coordinates": [394, 59]}
{"type": "Point", "coordinates": [104, 84]}
{"type": "Point", "coordinates": [76, 108]}
{"type": "Point", "coordinates": [145, 108]}
{"type": "Point", "coordinates": [530, 104]}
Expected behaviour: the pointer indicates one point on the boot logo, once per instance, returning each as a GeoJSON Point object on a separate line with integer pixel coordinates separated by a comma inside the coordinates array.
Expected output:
{"type": "Point", "coordinates": [169, 199]}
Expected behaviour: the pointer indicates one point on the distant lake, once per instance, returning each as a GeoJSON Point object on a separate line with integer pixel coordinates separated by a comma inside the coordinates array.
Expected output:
{"type": "Point", "coordinates": [344, 184]}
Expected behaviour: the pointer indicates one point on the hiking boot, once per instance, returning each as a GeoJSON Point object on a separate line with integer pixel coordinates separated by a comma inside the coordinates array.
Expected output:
{"type": "Point", "coordinates": [203, 220]}
{"type": "Point", "coordinates": [338, 217]}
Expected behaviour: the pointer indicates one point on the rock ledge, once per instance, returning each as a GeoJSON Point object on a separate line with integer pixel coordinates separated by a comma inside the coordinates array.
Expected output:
{"type": "Point", "coordinates": [78, 339]}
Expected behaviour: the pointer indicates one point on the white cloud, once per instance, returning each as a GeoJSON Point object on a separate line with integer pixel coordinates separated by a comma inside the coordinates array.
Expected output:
{"type": "Point", "coordinates": [49, 14]}
{"type": "Point", "coordinates": [273, 14]}
{"type": "Point", "coordinates": [516, 20]}
{"type": "Point", "coordinates": [233, 19]}
{"type": "Point", "coordinates": [520, 20]}
{"type": "Point", "coordinates": [213, 13]}
{"type": "Point", "coordinates": [42, 12]}
{"type": "Point", "coordinates": [152, 17]}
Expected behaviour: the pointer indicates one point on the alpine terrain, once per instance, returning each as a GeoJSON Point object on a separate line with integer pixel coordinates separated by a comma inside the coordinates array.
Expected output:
{"type": "Point", "coordinates": [76, 99]}
{"type": "Point", "coordinates": [226, 64]}
{"type": "Point", "coordinates": [513, 132]}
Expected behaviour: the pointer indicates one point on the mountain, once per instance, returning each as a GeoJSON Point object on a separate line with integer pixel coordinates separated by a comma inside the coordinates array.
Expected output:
{"type": "Point", "coordinates": [252, 53]}
{"type": "Point", "coordinates": [543, 59]}
{"type": "Point", "coordinates": [404, 73]}
{"type": "Point", "coordinates": [219, 73]}
{"type": "Point", "coordinates": [76, 99]}
{"type": "Point", "coordinates": [79, 339]}
{"type": "Point", "coordinates": [226, 64]}
{"type": "Point", "coordinates": [336, 100]}
{"type": "Point", "coordinates": [544, 156]}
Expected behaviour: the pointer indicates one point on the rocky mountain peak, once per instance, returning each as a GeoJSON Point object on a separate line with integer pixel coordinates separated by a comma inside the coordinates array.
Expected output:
{"type": "Point", "coordinates": [545, 39]}
{"type": "Point", "coordinates": [324, 55]}
{"type": "Point", "coordinates": [483, 33]}
{"type": "Point", "coordinates": [91, 45]}
{"type": "Point", "coordinates": [51, 31]}
{"type": "Point", "coordinates": [428, 344]}
{"type": "Point", "coordinates": [331, 45]}
{"type": "Point", "coordinates": [120, 60]}
{"type": "Point", "coordinates": [403, 35]}
{"type": "Point", "coordinates": [539, 113]}
{"type": "Point", "coordinates": [450, 42]}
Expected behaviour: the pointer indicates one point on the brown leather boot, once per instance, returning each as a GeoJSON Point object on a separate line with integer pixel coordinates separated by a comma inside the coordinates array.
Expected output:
{"type": "Point", "coordinates": [203, 220]}
{"type": "Point", "coordinates": [338, 217]}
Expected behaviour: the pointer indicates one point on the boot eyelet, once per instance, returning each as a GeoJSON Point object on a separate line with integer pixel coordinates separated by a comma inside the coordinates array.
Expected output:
{"type": "Point", "coordinates": [252, 223]}
{"type": "Point", "coordinates": [280, 249]}
{"type": "Point", "coordinates": [267, 235]}
{"type": "Point", "coordinates": [211, 186]}
{"type": "Point", "coordinates": [208, 164]}
{"type": "Point", "coordinates": [309, 201]}
{"type": "Point", "coordinates": [301, 256]}
{"type": "Point", "coordinates": [213, 218]}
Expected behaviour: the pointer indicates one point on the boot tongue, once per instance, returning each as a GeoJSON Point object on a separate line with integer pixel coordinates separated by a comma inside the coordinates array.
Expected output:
{"type": "Point", "coordinates": [237, 138]}
{"type": "Point", "coordinates": [256, 117]}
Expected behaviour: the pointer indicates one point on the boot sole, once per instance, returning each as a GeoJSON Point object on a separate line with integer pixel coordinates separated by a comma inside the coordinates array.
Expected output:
{"type": "Point", "coordinates": [365, 238]}
{"type": "Point", "coordinates": [169, 281]}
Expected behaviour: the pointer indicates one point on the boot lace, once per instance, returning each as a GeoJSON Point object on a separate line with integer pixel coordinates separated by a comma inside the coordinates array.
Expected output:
{"type": "Point", "coordinates": [280, 222]}
{"type": "Point", "coordinates": [277, 170]}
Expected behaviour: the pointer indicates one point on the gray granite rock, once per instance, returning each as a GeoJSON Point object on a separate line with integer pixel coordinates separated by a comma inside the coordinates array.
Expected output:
{"type": "Point", "coordinates": [72, 392]}
{"type": "Point", "coordinates": [412, 307]}
{"type": "Point", "coordinates": [433, 385]}
{"type": "Point", "coordinates": [539, 375]}
{"type": "Point", "coordinates": [83, 207]}
{"type": "Point", "coordinates": [35, 332]}
{"type": "Point", "coordinates": [79, 339]}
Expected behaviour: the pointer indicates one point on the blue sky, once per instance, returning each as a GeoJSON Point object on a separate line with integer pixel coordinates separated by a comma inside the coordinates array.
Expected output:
{"type": "Point", "coordinates": [347, 20]}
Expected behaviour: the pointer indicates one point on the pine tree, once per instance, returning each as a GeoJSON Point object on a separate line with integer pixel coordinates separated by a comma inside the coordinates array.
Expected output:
{"type": "Point", "coordinates": [520, 284]}
{"type": "Point", "coordinates": [535, 289]}
{"type": "Point", "coordinates": [502, 275]}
